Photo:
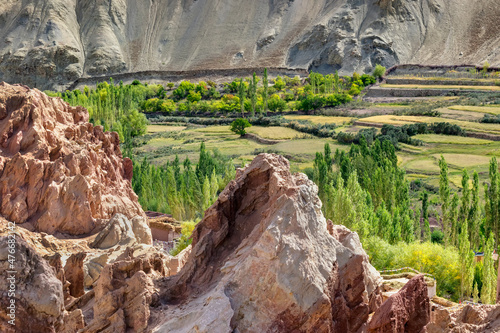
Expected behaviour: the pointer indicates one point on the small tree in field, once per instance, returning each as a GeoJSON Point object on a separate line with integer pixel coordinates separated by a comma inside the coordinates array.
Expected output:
{"type": "Point", "coordinates": [379, 71]}
{"type": "Point", "coordinates": [238, 126]}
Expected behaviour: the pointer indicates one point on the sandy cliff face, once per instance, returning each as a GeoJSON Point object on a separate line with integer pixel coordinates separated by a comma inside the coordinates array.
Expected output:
{"type": "Point", "coordinates": [51, 43]}
{"type": "Point", "coordinates": [59, 173]}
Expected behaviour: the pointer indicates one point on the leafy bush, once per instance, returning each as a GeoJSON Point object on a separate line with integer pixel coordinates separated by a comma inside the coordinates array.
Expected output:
{"type": "Point", "coordinates": [447, 128]}
{"type": "Point", "coordinates": [158, 105]}
{"type": "Point", "coordinates": [279, 83]}
{"type": "Point", "coordinates": [435, 259]}
{"type": "Point", "coordinates": [194, 97]}
{"type": "Point", "coordinates": [491, 119]}
{"type": "Point", "coordinates": [183, 90]}
{"type": "Point", "coordinates": [368, 79]}
{"type": "Point", "coordinates": [185, 239]}
{"type": "Point", "coordinates": [437, 236]}
{"type": "Point", "coordinates": [135, 122]}
{"type": "Point", "coordinates": [275, 103]}
{"type": "Point", "coordinates": [345, 138]}
{"type": "Point", "coordinates": [379, 71]}
{"type": "Point", "coordinates": [238, 126]}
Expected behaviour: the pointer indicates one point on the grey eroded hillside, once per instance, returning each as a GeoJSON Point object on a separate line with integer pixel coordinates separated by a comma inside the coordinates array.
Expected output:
{"type": "Point", "coordinates": [52, 43]}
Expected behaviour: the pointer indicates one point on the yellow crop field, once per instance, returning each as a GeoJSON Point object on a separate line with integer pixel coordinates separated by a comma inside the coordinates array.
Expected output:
{"type": "Point", "coordinates": [482, 109]}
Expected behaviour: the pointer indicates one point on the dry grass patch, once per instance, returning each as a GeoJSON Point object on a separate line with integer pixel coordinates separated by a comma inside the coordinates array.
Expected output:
{"type": "Point", "coordinates": [451, 139]}
{"type": "Point", "coordinates": [164, 128]}
{"type": "Point", "coordinates": [275, 132]}
{"type": "Point", "coordinates": [464, 160]}
{"type": "Point", "coordinates": [483, 109]}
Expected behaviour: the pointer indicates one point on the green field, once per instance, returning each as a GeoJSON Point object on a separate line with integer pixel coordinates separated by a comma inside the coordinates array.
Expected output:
{"type": "Point", "coordinates": [275, 132]}
{"type": "Point", "coordinates": [421, 162]}
{"type": "Point", "coordinates": [174, 140]}
{"type": "Point", "coordinates": [403, 120]}
{"type": "Point", "coordinates": [451, 139]}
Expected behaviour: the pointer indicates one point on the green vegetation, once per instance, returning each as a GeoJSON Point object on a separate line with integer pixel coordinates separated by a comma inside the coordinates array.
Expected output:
{"type": "Point", "coordinates": [442, 262]}
{"type": "Point", "coordinates": [404, 175]}
{"type": "Point", "coordinates": [238, 126]}
{"type": "Point", "coordinates": [185, 239]}
{"type": "Point", "coordinates": [184, 191]}
{"type": "Point", "coordinates": [449, 139]}
{"type": "Point", "coordinates": [379, 71]}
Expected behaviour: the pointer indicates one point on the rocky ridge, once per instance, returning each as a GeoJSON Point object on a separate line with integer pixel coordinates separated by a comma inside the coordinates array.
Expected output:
{"type": "Point", "coordinates": [58, 172]}
{"type": "Point", "coordinates": [263, 260]}
{"type": "Point", "coordinates": [52, 43]}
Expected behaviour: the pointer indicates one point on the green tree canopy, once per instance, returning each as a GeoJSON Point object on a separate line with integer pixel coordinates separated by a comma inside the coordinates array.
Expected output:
{"type": "Point", "coordinates": [238, 126]}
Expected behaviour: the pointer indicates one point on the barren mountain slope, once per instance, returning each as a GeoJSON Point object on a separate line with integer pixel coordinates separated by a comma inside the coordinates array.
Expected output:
{"type": "Point", "coordinates": [51, 43]}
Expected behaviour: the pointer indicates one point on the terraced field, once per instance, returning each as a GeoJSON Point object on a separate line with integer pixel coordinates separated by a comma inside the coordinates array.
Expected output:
{"type": "Point", "coordinates": [420, 162]}
{"type": "Point", "coordinates": [482, 109]}
{"type": "Point", "coordinates": [403, 120]}
{"type": "Point", "coordinates": [423, 86]}
{"type": "Point", "coordinates": [450, 139]}
{"type": "Point", "coordinates": [165, 142]}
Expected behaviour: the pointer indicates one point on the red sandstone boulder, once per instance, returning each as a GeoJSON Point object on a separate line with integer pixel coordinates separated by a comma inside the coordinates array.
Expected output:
{"type": "Point", "coordinates": [406, 311]}
{"type": "Point", "coordinates": [59, 173]}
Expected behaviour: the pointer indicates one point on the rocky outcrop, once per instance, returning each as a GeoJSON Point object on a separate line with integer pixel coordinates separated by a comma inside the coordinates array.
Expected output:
{"type": "Point", "coordinates": [59, 173]}
{"type": "Point", "coordinates": [468, 319]}
{"type": "Point", "coordinates": [62, 41]}
{"type": "Point", "coordinates": [124, 292]}
{"type": "Point", "coordinates": [73, 272]}
{"type": "Point", "coordinates": [39, 300]}
{"type": "Point", "coordinates": [406, 311]}
{"type": "Point", "coordinates": [122, 231]}
{"type": "Point", "coordinates": [263, 261]}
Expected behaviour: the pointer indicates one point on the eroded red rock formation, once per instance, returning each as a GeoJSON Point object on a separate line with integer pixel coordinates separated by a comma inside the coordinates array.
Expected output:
{"type": "Point", "coordinates": [406, 311]}
{"type": "Point", "coordinates": [58, 172]}
{"type": "Point", "coordinates": [263, 261]}
{"type": "Point", "coordinates": [38, 293]}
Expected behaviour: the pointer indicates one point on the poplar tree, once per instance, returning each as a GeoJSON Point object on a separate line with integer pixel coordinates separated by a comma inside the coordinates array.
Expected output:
{"type": "Point", "coordinates": [466, 264]}
{"type": "Point", "coordinates": [489, 289]}
{"type": "Point", "coordinates": [407, 231]}
{"type": "Point", "coordinates": [336, 82]}
{"type": "Point", "coordinates": [395, 232]}
{"type": "Point", "coordinates": [452, 233]}
{"type": "Point", "coordinates": [425, 206]}
{"type": "Point", "coordinates": [474, 216]}
{"type": "Point", "coordinates": [465, 201]}
{"type": "Point", "coordinates": [444, 189]}
{"type": "Point", "coordinates": [417, 228]}
{"type": "Point", "coordinates": [265, 94]}
{"type": "Point", "coordinates": [241, 96]}
{"type": "Point", "coordinates": [253, 93]}
{"type": "Point", "coordinates": [492, 201]}
{"type": "Point", "coordinates": [427, 231]}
